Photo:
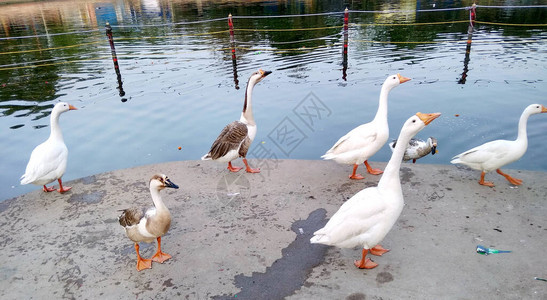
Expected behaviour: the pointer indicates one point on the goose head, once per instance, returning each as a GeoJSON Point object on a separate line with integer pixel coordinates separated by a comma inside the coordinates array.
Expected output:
{"type": "Point", "coordinates": [432, 142]}
{"type": "Point", "coordinates": [62, 107]}
{"type": "Point", "coordinates": [257, 76]}
{"type": "Point", "coordinates": [394, 80]}
{"type": "Point", "coordinates": [417, 122]}
{"type": "Point", "coordinates": [535, 109]}
{"type": "Point", "coordinates": [161, 181]}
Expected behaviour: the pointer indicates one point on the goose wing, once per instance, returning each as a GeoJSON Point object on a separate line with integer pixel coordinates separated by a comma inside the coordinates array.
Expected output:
{"type": "Point", "coordinates": [45, 160]}
{"type": "Point", "coordinates": [355, 217]}
{"type": "Point", "coordinates": [131, 216]}
{"type": "Point", "coordinates": [357, 138]}
{"type": "Point", "coordinates": [497, 150]}
{"type": "Point", "coordinates": [230, 138]}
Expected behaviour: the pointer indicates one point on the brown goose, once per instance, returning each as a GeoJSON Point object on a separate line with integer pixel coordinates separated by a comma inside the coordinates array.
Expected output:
{"type": "Point", "coordinates": [148, 225]}
{"type": "Point", "coordinates": [236, 138]}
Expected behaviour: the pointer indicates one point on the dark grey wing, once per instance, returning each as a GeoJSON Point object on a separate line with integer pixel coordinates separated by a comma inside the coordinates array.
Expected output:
{"type": "Point", "coordinates": [230, 138]}
{"type": "Point", "coordinates": [131, 216]}
{"type": "Point", "coordinates": [413, 142]}
{"type": "Point", "coordinates": [245, 147]}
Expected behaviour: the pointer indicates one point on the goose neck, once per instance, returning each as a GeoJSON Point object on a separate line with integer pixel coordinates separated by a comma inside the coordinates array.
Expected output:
{"type": "Point", "coordinates": [56, 132]}
{"type": "Point", "coordinates": [522, 131]}
{"type": "Point", "coordinates": [391, 178]}
{"type": "Point", "coordinates": [247, 114]}
{"type": "Point", "coordinates": [158, 202]}
{"type": "Point", "coordinates": [381, 114]}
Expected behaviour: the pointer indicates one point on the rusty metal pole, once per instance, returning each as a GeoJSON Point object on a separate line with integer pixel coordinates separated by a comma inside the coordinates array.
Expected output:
{"type": "Point", "coordinates": [115, 60]}
{"type": "Point", "coordinates": [345, 49]}
{"type": "Point", "coordinates": [233, 48]}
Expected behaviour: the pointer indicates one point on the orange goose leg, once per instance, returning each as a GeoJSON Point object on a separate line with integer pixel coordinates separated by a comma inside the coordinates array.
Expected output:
{"type": "Point", "coordinates": [249, 169]}
{"type": "Point", "coordinates": [356, 176]}
{"type": "Point", "coordinates": [233, 169]}
{"type": "Point", "coordinates": [141, 262]}
{"type": "Point", "coordinates": [365, 263]}
{"type": "Point", "coordinates": [48, 189]}
{"type": "Point", "coordinates": [487, 183]}
{"type": "Point", "coordinates": [372, 171]}
{"type": "Point", "coordinates": [61, 188]}
{"type": "Point", "coordinates": [378, 250]}
{"type": "Point", "coordinates": [160, 256]}
{"type": "Point", "coordinates": [512, 180]}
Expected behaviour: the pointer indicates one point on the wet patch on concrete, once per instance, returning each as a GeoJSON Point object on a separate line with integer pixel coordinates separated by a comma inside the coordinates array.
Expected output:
{"type": "Point", "coordinates": [4, 205]}
{"type": "Point", "coordinates": [384, 277]}
{"type": "Point", "coordinates": [89, 198]}
{"type": "Point", "coordinates": [356, 296]}
{"type": "Point", "coordinates": [289, 273]}
{"type": "Point", "coordinates": [89, 179]}
{"type": "Point", "coordinates": [406, 175]}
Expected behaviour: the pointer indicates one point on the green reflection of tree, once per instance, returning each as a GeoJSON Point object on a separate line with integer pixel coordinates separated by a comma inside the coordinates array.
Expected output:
{"type": "Point", "coordinates": [40, 84]}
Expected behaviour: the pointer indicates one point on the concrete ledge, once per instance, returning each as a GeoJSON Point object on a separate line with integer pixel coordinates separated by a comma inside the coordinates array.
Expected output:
{"type": "Point", "coordinates": [244, 236]}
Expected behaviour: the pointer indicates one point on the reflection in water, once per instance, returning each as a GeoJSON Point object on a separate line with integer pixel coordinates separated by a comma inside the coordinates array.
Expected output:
{"type": "Point", "coordinates": [389, 12]}
{"type": "Point", "coordinates": [472, 16]}
{"type": "Point", "coordinates": [233, 48]}
{"type": "Point", "coordinates": [51, 51]}
{"type": "Point", "coordinates": [115, 60]}
{"type": "Point", "coordinates": [345, 49]}
{"type": "Point", "coordinates": [466, 59]}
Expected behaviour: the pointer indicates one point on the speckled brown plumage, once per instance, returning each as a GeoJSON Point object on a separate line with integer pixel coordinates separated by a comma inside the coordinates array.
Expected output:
{"type": "Point", "coordinates": [231, 137]}
{"type": "Point", "coordinates": [131, 216]}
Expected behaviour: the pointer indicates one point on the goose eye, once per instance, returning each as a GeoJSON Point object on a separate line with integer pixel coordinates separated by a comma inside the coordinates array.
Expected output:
{"type": "Point", "coordinates": [394, 77]}
{"type": "Point", "coordinates": [413, 121]}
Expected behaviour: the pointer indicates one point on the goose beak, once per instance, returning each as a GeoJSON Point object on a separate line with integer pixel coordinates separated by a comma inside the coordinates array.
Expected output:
{"type": "Point", "coordinates": [70, 107]}
{"type": "Point", "coordinates": [433, 150]}
{"type": "Point", "coordinates": [170, 184]}
{"type": "Point", "coordinates": [402, 79]}
{"type": "Point", "coordinates": [428, 118]}
{"type": "Point", "coordinates": [543, 109]}
{"type": "Point", "coordinates": [264, 73]}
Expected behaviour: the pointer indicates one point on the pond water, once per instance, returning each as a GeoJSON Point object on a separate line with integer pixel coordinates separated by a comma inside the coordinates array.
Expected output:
{"type": "Point", "coordinates": [178, 83]}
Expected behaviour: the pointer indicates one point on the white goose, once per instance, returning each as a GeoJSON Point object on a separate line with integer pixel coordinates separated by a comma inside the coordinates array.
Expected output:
{"type": "Point", "coordinates": [236, 138]}
{"type": "Point", "coordinates": [48, 160]}
{"type": "Point", "coordinates": [362, 142]}
{"type": "Point", "coordinates": [417, 148]}
{"type": "Point", "coordinates": [495, 154]}
{"type": "Point", "coordinates": [366, 218]}
{"type": "Point", "coordinates": [148, 225]}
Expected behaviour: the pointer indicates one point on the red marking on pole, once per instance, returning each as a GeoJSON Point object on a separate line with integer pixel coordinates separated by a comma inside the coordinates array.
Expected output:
{"type": "Point", "coordinates": [346, 18]}
{"type": "Point", "coordinates": [231, 25]}
{"type": "Point", "coordinates": [472, 14]}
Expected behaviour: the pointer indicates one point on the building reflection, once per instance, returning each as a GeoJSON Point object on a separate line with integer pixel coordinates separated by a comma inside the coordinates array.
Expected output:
{"type": "Point", "coordinates": [403, 5]}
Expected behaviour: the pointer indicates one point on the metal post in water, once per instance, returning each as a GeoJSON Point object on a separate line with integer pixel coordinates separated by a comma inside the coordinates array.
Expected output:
{"type": "Point", "coordinates": [233, 48]}
{"type": "Point", "coordinates": [468, 47]}
{"type": "Point", "coordinates": [115, 60]}
{"type": "Point", "coordinates": [345, 49]}
{"type": "Point", "coordinates": [472, 14]}
{"type": "Point", "coordinates": [231, 25]}
{"type": "Point", "coordinates": [346, 19]}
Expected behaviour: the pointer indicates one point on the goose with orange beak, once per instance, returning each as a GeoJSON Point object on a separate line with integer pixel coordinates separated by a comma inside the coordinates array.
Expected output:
{"type": "Point", "coordinates": [236, 138]}
{"type": "Point", "coordinates": [48, 160]}
{"type": "Point", "coordinates": [496, 154]}
{"type": "Point", "coordinates": [366, 218]}
{"type": "Point", "coordinates": [358, 145]}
